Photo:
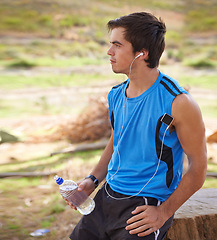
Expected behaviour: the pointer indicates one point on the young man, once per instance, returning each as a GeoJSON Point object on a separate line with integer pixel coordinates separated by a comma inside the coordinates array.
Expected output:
{"type": "Point", "coordinates": [153, 121]}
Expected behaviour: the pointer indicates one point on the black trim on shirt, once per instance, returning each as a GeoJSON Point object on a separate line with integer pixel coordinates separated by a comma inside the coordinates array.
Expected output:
{"type": "Point", "coordinates": [119, 84]}
{"type": "Point", "coordinates": [168, 88]}
{"type": "Point", "coordinates": [172, 83]}
{"type": "Point", "coordinates": [167, 154]}
{"type": "Point", "coordinates": [112, 120]}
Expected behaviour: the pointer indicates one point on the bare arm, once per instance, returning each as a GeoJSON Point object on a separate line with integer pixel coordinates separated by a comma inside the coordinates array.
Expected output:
{"type": "Point", "coordinates": [99, 171]}
{"type": "Point", "coordinates": [191, 133]}
{"type": "Point", "coordinates": [101, 168]}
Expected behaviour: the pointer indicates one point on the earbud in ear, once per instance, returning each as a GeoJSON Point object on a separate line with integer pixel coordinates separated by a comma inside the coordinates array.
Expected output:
{"type": "Point", "coordinates": [141, 54]}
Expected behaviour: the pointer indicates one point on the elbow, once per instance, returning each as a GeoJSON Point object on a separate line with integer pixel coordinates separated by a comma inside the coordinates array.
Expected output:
{"type": "Point", "coordinates": [201, 175]}
{"type": "Point", "coordinates": [203, 178]}
{"type": "Point", "coordinates": [198, 174]}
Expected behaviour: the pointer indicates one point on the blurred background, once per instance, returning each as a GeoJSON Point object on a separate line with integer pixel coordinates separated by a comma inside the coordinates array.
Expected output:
{"type": "Point", "coordinates": [54, 79]}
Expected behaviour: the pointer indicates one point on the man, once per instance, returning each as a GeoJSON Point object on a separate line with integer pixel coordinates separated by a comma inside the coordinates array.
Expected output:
{"type": "Point", "coordinates": [153, 121]}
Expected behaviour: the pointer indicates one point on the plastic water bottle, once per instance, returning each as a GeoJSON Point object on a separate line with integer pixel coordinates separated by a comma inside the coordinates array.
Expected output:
{"type": "Point", "coordinates": [69, 190]}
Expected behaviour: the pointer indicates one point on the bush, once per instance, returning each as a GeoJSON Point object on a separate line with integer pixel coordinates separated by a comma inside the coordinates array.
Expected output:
{"type": "Point", "coordinates": [21, 63]}
{"type": "Point", "coordinates": [200, 63]}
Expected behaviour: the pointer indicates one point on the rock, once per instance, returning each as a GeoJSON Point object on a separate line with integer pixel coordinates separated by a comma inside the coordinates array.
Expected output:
{"type": "Point", "coordinates": [7, 137]}
{"type": "Point", "coordinates": [196, 219]}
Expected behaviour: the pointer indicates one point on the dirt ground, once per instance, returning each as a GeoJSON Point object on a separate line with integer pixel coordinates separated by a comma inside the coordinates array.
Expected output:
{"type": "Point", "coordinates": [78, 97]}
{"type": "Point", "coordinates": [27, 207]}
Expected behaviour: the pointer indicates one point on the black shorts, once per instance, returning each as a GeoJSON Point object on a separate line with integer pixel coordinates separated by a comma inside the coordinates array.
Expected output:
{"type": "Point", "coordinates": [108, 219]}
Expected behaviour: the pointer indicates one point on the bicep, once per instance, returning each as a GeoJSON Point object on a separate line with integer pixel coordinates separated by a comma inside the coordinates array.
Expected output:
{"type": "Point", "coordinates": [189, 126]}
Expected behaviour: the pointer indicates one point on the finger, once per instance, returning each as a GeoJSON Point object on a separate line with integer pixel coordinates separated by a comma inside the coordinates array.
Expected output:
{"type": "Point", "coordinates": [71, 206]}
{"type": "Point", "coordinates": [136, 218]}
{"type": "Point", "coordinates": [80, 187]}
{"type": "Point", "coordinates": [147, 232]}
{"type": "Point", "coordinates": [141, 229]}
{"type": "Point", "coordinates": [139, 209]}
{"type": "Point", "coordinates": [135, 225]}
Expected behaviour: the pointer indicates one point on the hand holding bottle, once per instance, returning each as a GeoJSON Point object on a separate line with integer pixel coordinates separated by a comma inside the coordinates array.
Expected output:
{"type": "Point", "coordinates": [77, 196]}
{"type": "Point", "coordinates": [85, 185]}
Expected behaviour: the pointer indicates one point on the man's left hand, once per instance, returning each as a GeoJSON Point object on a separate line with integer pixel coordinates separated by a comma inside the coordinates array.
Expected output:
{"type": "Point", "coordinates": [147, 220]}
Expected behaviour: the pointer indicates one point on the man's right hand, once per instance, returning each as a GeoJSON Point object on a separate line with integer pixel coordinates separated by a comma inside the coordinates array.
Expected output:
{"type": "Point", "coordinates": [86, 185]}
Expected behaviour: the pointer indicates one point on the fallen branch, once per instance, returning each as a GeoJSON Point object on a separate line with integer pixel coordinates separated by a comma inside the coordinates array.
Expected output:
{"type": "Point", "coordinates": [83, 147]}
{"type": "Point", "coordinates": [26, 174]}
{"type": "Point", "coordinates": [211, 174]}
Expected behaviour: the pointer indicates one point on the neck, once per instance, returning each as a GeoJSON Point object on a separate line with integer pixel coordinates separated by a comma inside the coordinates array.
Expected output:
{"type": "Point", "coordinates": [141, 80]}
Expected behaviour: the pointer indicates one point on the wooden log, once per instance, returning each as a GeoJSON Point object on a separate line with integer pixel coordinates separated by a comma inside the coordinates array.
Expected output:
{"type": "Point", "coordinates": [196, 219]}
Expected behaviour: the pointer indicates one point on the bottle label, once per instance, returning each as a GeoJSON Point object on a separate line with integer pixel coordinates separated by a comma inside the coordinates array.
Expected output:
{"type": "Point", "coordinates": [68, 187]}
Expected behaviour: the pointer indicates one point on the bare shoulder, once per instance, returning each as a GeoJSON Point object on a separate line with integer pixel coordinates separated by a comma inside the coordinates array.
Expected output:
{"type": "Point", "coordinates": [185, 108]}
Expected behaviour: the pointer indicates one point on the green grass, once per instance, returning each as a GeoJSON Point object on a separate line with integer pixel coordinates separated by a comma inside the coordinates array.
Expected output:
{"type": "Point", "coordinates": [50, 80]}
{"type": "Point", "coordinates": [202, 19]}
{"type": "Point", "coordinates": [39, 214]}
{"type": "Point", "coordinates": [30, 62]}
{"type": "Point", "coordinates": [56, 162]}
{"type": "Point", "coordinates": [209, 110]}
{"type": "Point", "coordinates": [201, 81]}
{"type": "Point", "coordinates": [37, 164]}
{"type": "Point", "coordinates": [210, 183]}
{"type": "Point", "coordinates": [200, 63]}
{"type": "Point", "coordinates": [7, 184]}
{"type": "Point", "coordinates": [212, 167]}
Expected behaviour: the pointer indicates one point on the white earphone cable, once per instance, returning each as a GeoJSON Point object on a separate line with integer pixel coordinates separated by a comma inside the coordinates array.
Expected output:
{"type": "Point", "coordinates": [119, 157]}
{"type": "Point", "coordinates": [161, 152]}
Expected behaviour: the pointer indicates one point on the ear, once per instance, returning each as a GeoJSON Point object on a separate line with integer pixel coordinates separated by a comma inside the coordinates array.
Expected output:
{"type": "Point", "coordinates": [145, 54]}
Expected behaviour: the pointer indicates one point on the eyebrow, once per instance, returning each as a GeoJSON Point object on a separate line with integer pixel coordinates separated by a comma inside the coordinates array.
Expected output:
{"type": "Point", "coordinates": [116, 42]}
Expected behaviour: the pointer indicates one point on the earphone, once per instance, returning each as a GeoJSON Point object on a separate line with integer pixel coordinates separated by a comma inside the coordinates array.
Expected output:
{"type": "Point", "coordinates": [141, 54]}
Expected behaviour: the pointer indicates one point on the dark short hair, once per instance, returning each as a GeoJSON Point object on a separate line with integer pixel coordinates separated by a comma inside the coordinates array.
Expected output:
{"type": "Point", "coordinates": [144, 31]}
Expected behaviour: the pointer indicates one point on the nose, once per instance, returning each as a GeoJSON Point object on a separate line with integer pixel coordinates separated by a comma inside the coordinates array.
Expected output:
{"type": "Point", "coordinates": [110, 52]}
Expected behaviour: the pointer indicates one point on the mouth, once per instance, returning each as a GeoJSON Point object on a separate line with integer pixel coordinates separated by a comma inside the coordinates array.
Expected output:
{"type": "Point", "coordinates": [112, 61]}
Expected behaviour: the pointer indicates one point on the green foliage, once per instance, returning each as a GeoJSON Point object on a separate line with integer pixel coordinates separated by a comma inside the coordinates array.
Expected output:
{"type": "Point", "coordinates": [201, 15]}
{"type": "Point", "coordinates": [46, 223]}
{"type": "Point", "coordinates": [201, 19]}
{"type": "Point", "coordinates": [210, 183]}
{"type": "Point", "coordinates": [37, 164]}
{"type": "Point", "coordinates": [74, 20]}
{"type": "Point", "coordinates": [57, 208]}
{"type": "Point", "coordinates": [200, 63]}
{"type": "Point", "coordinates": [7, 185]}
{"type": "Point", "coordinates": [50, 80]}
{"type": "Point", "coordinates": [202, 81]}
{"type": "Point", "coordinates": [212, 167]}
{"type": "Point", "coordinates": [21, 63]}
{"type": "Point", "coordinates": [13, 226]}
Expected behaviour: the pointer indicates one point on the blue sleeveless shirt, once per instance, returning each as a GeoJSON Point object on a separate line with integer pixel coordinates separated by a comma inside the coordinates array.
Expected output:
{"type": "Point", "coordinates": [138, 136]}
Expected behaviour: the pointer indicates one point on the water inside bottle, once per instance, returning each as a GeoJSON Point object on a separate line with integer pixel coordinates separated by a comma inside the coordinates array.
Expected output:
{"type": "Point", "coordinates": [72, 194]}
{"type": "Point", "coordinates": [81, 200]}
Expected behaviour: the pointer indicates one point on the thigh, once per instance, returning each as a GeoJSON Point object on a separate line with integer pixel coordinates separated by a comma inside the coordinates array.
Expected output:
{"type": "Point", "coordinates": [84, 232]}
{"type": "Point", "coordinates": [92, 226]}
{"type": "Point", "coordinates": [120, 212]}
{"type": "Point", "coordinates": [122, 234]}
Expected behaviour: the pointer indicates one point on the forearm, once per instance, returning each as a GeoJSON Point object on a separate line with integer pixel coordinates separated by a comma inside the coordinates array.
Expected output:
{"type": "Point", "coordinates": [101, 168]}
{"type": "Point", "coordinates": [191, 135]}
{"type": "Point", "coordinates": [190, 183]}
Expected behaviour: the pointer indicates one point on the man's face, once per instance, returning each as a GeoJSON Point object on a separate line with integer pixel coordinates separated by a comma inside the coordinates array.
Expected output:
{"type": "Point", "coordinates": [120, 52]}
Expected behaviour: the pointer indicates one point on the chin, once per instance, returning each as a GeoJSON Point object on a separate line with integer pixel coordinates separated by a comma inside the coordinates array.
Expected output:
{"type": "Point", "coordinates": [117, 71]}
